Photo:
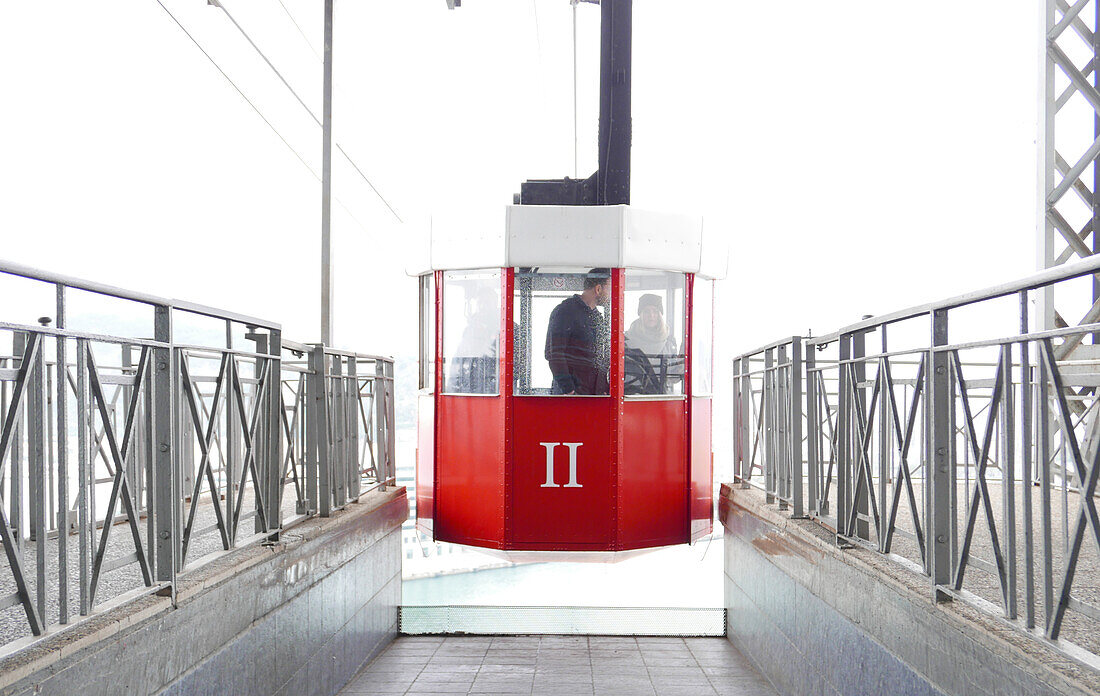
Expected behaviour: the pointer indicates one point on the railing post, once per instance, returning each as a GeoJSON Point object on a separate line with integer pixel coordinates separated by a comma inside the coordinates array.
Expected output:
{"type": "Point", "coordinates": [319, 476]}
{"type": "Point", "coordinates": [273, 442]}
{"type": "Point", "coordinates": [747, 423]}
{"type": "Point", "coordinates": [738, 474]}
{"type": "Point", "coordinates": [795, 448]}
{"type": "Point", "coordinates": [813, 434]}
{"type": "Point", "coordinates": [1027, 435]}
{"type": "Point", "coordinates": [167, 466]}
{"type": "Point", "coordinates": [843, 455]}
{"type": "Point", "coordinates": [859, 377]}
{"type": "Point", "coordinates": [352, 420]}
{"type": "Point", "coordinates": [941, 469]}
{"type": "Point", "coordinates": [339, 425]}
{"type": "Point", "coordinates": [383, 420]}
{"type": "Point", "coordinates": [61, 385]}
{"type": "Point", "coordinates": [885, 442]}
{"type": "Point", "coordinates": [767, 403]}
{"type": "Point", "coordinates": [36, 468]}
{"type": "Point", "coordinates": [783, 428]}
{"type": "Point", "coordinates": [15, 458]}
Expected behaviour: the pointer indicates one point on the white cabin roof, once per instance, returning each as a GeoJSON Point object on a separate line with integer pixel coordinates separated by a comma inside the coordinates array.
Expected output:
{"type": "Point", "coordinates": [616, 236]}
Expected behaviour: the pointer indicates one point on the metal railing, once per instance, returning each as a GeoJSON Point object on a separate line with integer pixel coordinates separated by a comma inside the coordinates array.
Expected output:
{"type": "Point", "coordinates": [973, 460]}
{"type": "Point", "coordinates": [127, 461]}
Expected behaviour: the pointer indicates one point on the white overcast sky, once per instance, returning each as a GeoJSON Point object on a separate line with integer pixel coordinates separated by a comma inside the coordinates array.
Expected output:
{"type": "Point", "coordinates": [860, 156]}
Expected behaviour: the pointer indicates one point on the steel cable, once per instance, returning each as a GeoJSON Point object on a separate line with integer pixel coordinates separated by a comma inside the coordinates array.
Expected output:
{"type": "Point", "coordinates": [305, 106]}
{"type": "Point", "coordinates": [254, 107]}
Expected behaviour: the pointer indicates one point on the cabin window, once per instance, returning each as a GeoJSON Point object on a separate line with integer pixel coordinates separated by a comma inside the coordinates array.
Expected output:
{"type": "Point", "coordinates": [562, 331]}
{"type": "Point", "coordinates": [654, 325]}
{"type": "Point", "coordinates": [427, 332]}
{"type": "Point", "coordinates": [471, 332]}
{"type": "Point", "coordinates": [702, 337]}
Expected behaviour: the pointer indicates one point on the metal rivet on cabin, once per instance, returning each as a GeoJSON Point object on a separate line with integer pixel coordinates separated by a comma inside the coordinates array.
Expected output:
{"type": "Point", "coordinates": [941, 451]}
{"type": "Point", "coordinates": [163, 447]}
{"type": "Point", "coordinates": [940, 370]}
{"type": "Point", "coordinates": [941, 539]}
{"type": "Point", "coordinates": [165, 534]}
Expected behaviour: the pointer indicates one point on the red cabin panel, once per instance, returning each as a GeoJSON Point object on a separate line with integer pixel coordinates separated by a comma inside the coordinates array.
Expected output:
{"type": "Point", "coordinates": [653, 474]}
{"type": "Point", "coordinates": [555, 473]}
{"type": "Point", "coordinates": [572, 509]}
{"type": "Point", "coordinates": [702, 464]}
{"type": "Point", "coordinates": [469, 481]}
{"type": "Point", "coordinates": [425, 462]}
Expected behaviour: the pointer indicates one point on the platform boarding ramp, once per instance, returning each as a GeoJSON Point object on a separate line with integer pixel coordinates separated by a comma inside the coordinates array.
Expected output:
{"type": "Point", "coordinates": [951, 449]}
{"type": "Point", "coordinates": [175, 478]}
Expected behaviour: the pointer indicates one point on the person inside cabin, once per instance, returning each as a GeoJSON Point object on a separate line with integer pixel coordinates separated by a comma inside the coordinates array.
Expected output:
{"type": "Point", "coordinates": [474, 364]}
{"type": "Point", "coordinates": [651, 361]}
{"type": "Point", "coordinates": [578, 338]}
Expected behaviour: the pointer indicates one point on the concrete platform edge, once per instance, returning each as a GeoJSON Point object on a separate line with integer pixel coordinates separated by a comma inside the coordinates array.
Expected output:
{"type": "Point", "coordinates": [858, 595]}
{"type": "Point", "coordinates": [337, 571]}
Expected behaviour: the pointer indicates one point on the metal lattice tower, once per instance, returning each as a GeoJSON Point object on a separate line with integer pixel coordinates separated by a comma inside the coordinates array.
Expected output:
{"type": "Point", "coordinates": [1069, 146]}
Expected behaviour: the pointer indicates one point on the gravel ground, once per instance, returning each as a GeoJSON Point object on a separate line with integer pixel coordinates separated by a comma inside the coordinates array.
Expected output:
{"type": "Point", "coordinates": [13, 621]}
{"type": "Point", "coordinates": [1077, 628]}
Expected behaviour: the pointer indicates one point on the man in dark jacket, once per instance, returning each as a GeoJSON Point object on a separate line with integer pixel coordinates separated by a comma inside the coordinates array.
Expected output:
{"type": "Point", "coordinates": [578, 339]}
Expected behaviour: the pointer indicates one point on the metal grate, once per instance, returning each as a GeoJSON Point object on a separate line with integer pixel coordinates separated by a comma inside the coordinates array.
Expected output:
{"type": "Point", "coordinates": [594, 621]}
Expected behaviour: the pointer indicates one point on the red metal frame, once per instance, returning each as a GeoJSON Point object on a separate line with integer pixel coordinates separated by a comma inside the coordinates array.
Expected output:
{"type": "Point", "coordinates": [643, 470]}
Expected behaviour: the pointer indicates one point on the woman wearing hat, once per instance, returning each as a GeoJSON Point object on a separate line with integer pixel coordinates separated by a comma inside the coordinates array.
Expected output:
{"type": "Point", "coordinates": [651, 355]}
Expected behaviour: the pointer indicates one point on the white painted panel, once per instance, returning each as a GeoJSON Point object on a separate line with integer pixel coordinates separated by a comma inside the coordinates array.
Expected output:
{"type": "Point", "coordinates": [715, 253]}
{"type": "Point", "coordinates": [565, 235]}
{"type": "Point", "coordinates": [663, 241]}
{"type": "Point", "coordinates": [469, 241]}
{"type": "Point", "coordinates": [574, 236]}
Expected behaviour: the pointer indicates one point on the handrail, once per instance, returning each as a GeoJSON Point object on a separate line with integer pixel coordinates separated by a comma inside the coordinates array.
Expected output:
{"type": "Point", "coordinates": [17, 269]}
{"type": "Point", "coordinates": [904, 450]}
{"type": "Point", "coordinates": [192, 452]}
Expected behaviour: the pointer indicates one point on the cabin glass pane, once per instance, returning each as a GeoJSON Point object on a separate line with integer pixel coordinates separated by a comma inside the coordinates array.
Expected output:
{"type": "Point", "coordinates": [654, 323]}
{"type": "Point", "coordinates": [471, 332]}
{"type": "Point", "coordinates": [427, 332]}
{"type": "Point", "coordinates": [562, 331]}
{"type": "Point", "coordinates": [702, 343]}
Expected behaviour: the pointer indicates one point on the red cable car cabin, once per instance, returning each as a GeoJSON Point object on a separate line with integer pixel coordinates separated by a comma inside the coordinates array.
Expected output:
{"type": "Point", "coordinates": [568, 405]}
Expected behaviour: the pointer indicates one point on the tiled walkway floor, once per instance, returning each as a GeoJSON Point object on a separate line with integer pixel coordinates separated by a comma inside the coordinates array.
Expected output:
{"type": "Point", "coordinates": [560, 665]}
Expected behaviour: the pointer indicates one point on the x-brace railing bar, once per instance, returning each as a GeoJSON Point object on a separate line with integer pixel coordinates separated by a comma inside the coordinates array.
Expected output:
{"type": "Point", "coordinates": [98, 445]}
{"type": "Point", "coordinates": [1087, 90]}
{"type": "Point", "coordinates": [249, 438]}
{"type": "Point", "coordinates": [368, 441]}
{"type": "Point", "coordinates": [1068, 233]}
{"type": "Point", "coordinates": [903, 478]}
{"type": "Point", "coordinates": [981, 489]}
{"type": "Point", "coordinates": [1079, 27]}
{"type": "Point", "coordinates": [204, 459]}
{"type": "Point", "coordinates": [758, 435]}
{"type": "Point", "coordinates": [961, 430]}
{"type": "Point", "coordinates": [1072, 177]}
{"type": "Point", "coordinates": [291, 427]}
{"type": "Point", "coordinates": [864, 423]}
{"type": "Point", "coordinates": [215, 444]}
{"type": "Point", "coordinates": [1071, 89]}
{"type": "Point", "coordinates": [19, 392]}
{"type": "Point", "coordinates": [7, 537]}
{"type": "Point", "coordinates": [120, 487]}
{"type": "Point", "coordinates": [830, 421]}
{"type": "Point", "coordinates": [1088, 514]}
{"type": "Point", "coordinates": [1058, 429]}
{"type": "Point", "coordinates": [1083, 192]}
{"type": "Point", "coordinates": [1068, 17]}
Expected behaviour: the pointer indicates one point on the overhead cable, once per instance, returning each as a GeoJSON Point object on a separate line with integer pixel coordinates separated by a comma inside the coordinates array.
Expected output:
{"type": "Point", "coordinates": [305, 106]}
{"type": "Point", "coordinates": [254, 107]}
{"type": "Point", "coordinates": [300, 31]}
